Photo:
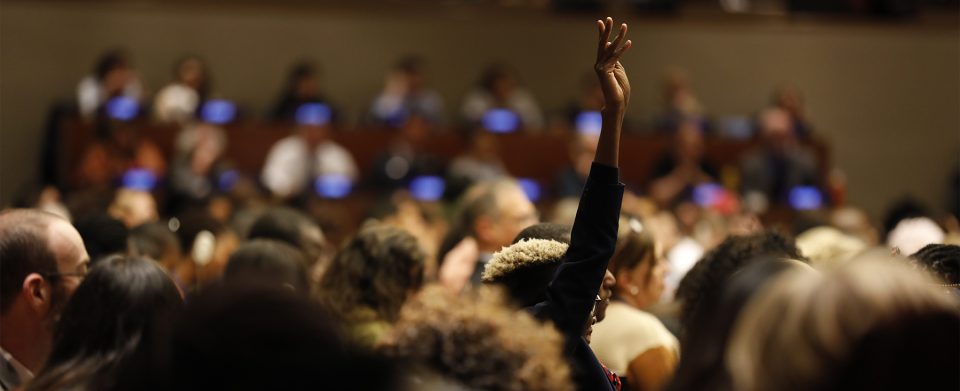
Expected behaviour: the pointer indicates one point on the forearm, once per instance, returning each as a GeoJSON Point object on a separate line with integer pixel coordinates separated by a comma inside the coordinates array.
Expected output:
{"type": "Point", "coordinates": [609, 145]}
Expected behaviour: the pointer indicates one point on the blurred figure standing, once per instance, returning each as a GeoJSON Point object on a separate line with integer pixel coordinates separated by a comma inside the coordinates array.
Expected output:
{"type": "Point", "coordinates": [781, 164]}
{"type": "Point", "coordinates": [405, 93]}
{"type": "Point", "coordinates": [112, 76]}
{"type": "Point", "coordinates": [190, 87]}
{"type": "Point", "coordinates": [498, 89]}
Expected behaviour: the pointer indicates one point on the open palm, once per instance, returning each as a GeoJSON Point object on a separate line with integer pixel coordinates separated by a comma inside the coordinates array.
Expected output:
{"type": "Point", "coordinates": [613, 78]}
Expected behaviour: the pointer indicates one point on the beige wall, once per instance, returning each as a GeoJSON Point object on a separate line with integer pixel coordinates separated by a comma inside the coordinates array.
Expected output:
{"type": "Point", "coordinates": [887, 96]}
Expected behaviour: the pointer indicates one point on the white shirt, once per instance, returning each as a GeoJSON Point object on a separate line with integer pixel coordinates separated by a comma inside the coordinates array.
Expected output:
{"type": "Point", "coordinates": [289, 168]}
{"type": "Point", "coordinates": [686, 253]}
{"type": "Point", "coordinates": [176, 102]}
{"type": "Point", "coordinates": [90, 93]}
{"type": "Point", "coordinates": [22, 371]}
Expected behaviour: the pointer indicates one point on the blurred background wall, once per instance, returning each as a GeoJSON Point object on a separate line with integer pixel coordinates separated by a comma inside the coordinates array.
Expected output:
{"type": "Point", "coordinates": [885, 94]}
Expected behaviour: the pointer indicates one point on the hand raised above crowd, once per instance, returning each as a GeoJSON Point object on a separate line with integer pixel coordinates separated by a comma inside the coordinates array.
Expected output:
{"type": "Point", "coordinates": [613, 77]}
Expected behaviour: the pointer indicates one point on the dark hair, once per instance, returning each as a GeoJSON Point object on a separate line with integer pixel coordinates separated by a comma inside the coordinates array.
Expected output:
{"type": "Point", "coordinates": [192, 223]}
{"type": "Point", "coordinates": [942, 260]}
{"type": "Point", "coordinates": [549, 231]}
{"type": "Point", "coordinates": [704, 345]}
{"type": "Point", "coordinates": [375, 269]}
{"type": "Point", "coordinates": [292, 227]}
{"type": "Point", "coordinates": [269, 260]}
{"type": "Point", "coordinates": [205, 80]}
{"type": "Point", "coordinates": [23, 250]}
{"type": "Point", "coordinates": [633, 249]}
{"type": "Point", "coordinates": [707, 276]}
{"type": "Point", "coordinates": [153, 240]}
{"type": "Point", "coordinates": [410, 64]}
{"type": "Point", "coordinates": [104, 322]}
{"type": "Point", "coordinates": [919, 352]}
{"type": "Point", "coordinates": [249, 336]}
{"type": "Point", "coordinates": [102, 236]}
{"type": "Point", "coordinates": [493, 73]}
{"type": "Point", "coordinates": [109, 61]}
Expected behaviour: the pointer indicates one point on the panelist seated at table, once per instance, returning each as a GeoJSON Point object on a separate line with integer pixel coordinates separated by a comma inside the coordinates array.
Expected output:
{"type": "Point", "coordinates": [303, 86]}
{"type": "Point", "coordinates": [112, 76]}
{"type": "Point", "coordinates": [781, 164]}
{"type": "Point", "coordinates": [406, 93]}
{"type": "Point", "coordinates": [499, 89]}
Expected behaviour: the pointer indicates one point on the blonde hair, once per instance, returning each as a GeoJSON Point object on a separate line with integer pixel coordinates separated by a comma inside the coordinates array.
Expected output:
{"type": "Point", "coordinates": [801, 327]}
{"type": "Point", "coordinates": [476, 340]}
{"type": "Point", "coordinates": [530, 252]}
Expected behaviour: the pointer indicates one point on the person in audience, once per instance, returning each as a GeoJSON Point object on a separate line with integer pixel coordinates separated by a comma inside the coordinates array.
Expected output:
{"type": "Point", "coordinates": [133, 207]}
{"type": "Point", "coordinates": [706, 278]}
{"type": "Point", "coordinates": [297, 229]}
{"type": "Point", "coordinates": [156, 241]}
{"type": "Point", "coordinates": [680, 103]}
{"type": "Point", "coordinates": [118, 147]}
{"type": "Point", "coordinates": [42, 261]}
{"type": "Point", "coordinates": [942, 261]}
{"type": "Point", "coordinates": [590, 98]}
{"type": "Point", "coordinates": [572, 179]}
{"type": "Point", "coordinates": [481, 162]}
{"type": "Point", "coordinates": [294, 162]}
{"type": "Point", "coordinates": [405, 159]}
{"type": "Point", "coordinates": [104, 323]}
{"type": "Point", "coordinates": [476, 342]}
{"type": "Point", "coordinates": [498, 90]}
{"type": "Point", "coordinates": [630, 341]}
{"type": "Point", "coordinates": [492, 215]}
{"type": "Point", "coordinates": [248, 336]}
{"type": "Point", "coordinates": [103, 236]}
{"type": "Point", "coordinates": [781, 164]}
{"type": "Point", "coordinates": [370, 278]}
{"type": "Point", "coordinates": [704, 346]}
{"type": "Point", "coordinates": [45, 197]}
{"type": "Point", "coordinates": [179, 101]}
{"type": "Point", "coordinates": [269, 260]}
{"type": "Point", "coordinates": [571, 295]}
{"type": "Point", "coordinates": [112, 76]}
{"type": "Point", "coordinates": [788, 97]}
{"type": "Point", "coordinates": [207, 246]}
{"type": "Point", "coordinates": [303, 86]}
{"type": "Point", "coordinates": [198, 166]}
{"type": "Point", "coordinates": [872, 324]}
{"type": "Point", "coordinates": [676, 174]}
{"type": "Point", "coordinates": [405, 93]}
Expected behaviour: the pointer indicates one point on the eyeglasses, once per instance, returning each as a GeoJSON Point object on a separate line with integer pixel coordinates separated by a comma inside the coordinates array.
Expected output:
{"type": "Point", "coordinates": [596, 306]}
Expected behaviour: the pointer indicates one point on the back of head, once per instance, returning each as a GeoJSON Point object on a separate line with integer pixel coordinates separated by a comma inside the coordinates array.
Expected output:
{"type": "Point", "coordinates": [634, 246]}
{"type": "Point", "coordinates": [293, 227]}
{"type": "Point", "coordinates": [23, 250]}
{"type": "Point", "coordinates": [154, 240]}
{"type": "Point", "coordinates": [706, 278]}
{"type": "Point", "coordinates": [549, 231]}
{"type": "Point", "coordinates": [250, 336]}
{"type": "Point", "coordinates": [941, 260]}
{"type": "Point", "coordinates": [847, 329]}
{"type": "Point", "coordinates": [105, 320]}
{"type": "Point", "coordinates": [374, 270]}
{"type": "Point", "coordinates": [269, 261]}
{"type": "Point", "coordinates": [102, 236]}
{"type": "Point", "coordinates": [525, 269]}
{"type": "Point", "coordinates": [477, 341]}
{"type": "Point", "coordinates": [705, 341]}
{"type": "Point", "coordinates": [192, 223]}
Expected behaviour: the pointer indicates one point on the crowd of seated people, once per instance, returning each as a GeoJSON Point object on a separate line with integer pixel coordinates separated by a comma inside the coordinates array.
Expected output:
{"type": "Point", "coordinates": [468, 285]}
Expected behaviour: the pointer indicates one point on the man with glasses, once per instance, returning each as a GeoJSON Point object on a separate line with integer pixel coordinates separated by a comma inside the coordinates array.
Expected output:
{"type": "Point", "coordinates": [42, 261]}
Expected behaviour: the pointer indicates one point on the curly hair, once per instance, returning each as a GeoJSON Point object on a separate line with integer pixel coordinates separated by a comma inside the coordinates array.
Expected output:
{"type": "Point", "coordinates": [708, 276]}
{"type": "Point", "coordinates": [373, 271]}
{"type": "Point", "coordinates": [477, 340]}
{"type": "Point", "coordinates": [942, 260]}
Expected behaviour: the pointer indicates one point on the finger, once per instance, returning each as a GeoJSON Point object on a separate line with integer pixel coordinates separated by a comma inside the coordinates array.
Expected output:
{"type": "Point", "coordinates": [616, 56]}
{"type": "Point", "coordinates": [600, 45]}
{"type": "Point", "coordinates": [620, 36]}
{"type": "Point", "coordinates": [605, 37]}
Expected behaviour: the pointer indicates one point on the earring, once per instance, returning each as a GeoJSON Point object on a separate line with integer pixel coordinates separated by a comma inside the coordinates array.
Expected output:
{"type": "Point", "coordinates": [634, 290]}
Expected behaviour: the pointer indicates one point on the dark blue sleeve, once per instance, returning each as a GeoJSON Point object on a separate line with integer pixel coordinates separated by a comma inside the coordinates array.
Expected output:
{"type": "Point", "coordinates": [571, 294]}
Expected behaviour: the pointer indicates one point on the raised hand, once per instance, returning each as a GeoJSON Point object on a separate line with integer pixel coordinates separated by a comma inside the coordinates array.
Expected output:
{"type": "Point", "coordinates": [613, 78]}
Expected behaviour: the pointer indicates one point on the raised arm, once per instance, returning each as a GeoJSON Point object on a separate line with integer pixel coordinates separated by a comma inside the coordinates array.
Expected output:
{"type": "Point", "coordinates": [616, 91]}
{"type": "Point", "coordinates": [571, 294]}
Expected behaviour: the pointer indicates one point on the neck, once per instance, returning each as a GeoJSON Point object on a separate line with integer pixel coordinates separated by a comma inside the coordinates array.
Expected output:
{"type": "Point", "coordinates": [627, 299]}
{"type": "Point", "coordinates": [28, 342]}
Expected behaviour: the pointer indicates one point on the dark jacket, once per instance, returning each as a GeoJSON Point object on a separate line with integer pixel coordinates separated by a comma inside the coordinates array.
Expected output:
{"type": "Point", "coordinates": [571, 294]}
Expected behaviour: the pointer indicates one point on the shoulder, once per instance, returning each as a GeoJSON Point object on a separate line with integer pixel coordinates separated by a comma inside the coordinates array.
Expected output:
{"type": "Point", "coordinates": [640, 325]}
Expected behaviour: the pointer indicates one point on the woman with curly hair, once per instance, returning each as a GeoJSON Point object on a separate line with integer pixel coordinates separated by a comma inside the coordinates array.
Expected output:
{"type": "Point", "coordinates": [370, 278]}
{"type": "Point", "coordinates": [478, 342]}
